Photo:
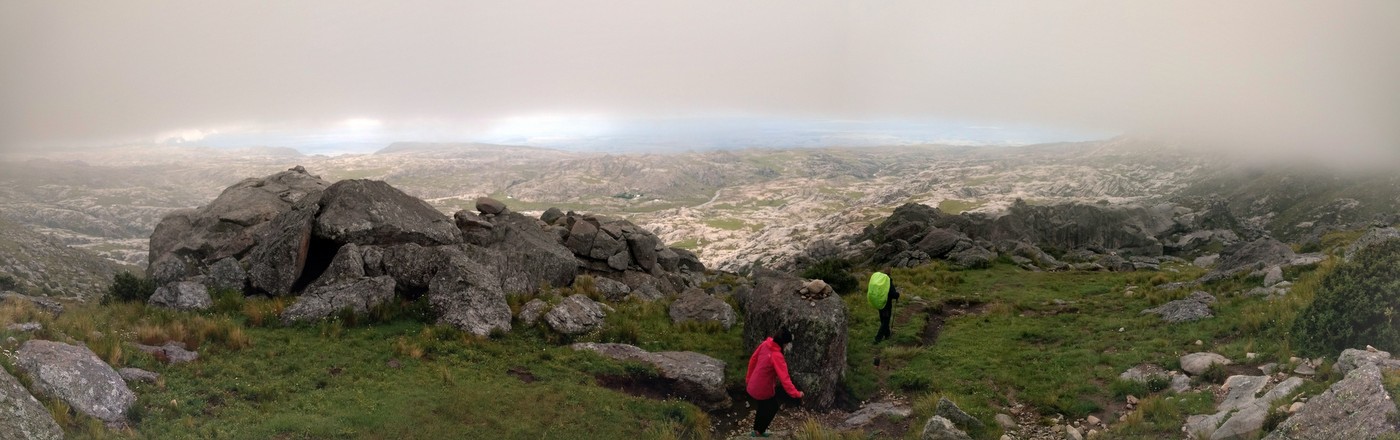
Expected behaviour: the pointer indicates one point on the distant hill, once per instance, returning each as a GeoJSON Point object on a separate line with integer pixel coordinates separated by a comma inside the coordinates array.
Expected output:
{"type": "Point", "coordinates": [1302, 204]}
{"type": "Point", "coordinates": [38, 264]}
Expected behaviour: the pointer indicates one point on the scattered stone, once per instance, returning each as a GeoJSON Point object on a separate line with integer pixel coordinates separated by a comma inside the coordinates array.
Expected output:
{"type": "Point", "coordinates": [1195, 307]}
{"type": "Point", "coordinates": [949, 410]}
{"type": "Point", "coordinates": [1181, 383]}
{"type": "Point", "coordinates": [939, 428]}
{"type": "Point", "coordinates": [531, 312]}
{"type": "Point", "coordinates": [77, 376]}
{"type": "Point", "coordinates": [1269, 368]}
{"type": "Point", "coordinates": [1006, 422]}
{"type": "Point", "coordinates": [868, 413]}
{"type": "Point", "coordinates": [21, 415]}
{"type": "Point", "coordinates": [1272, 276]}
{"type": "Point", "coordinates": [1072, 433]}
{"type": "Point", "coordinates": [1197, 363]}
{"type": "Point", "coordinates": [182, 295]}
{"type": "Point", "coordinates": [171, 353]}
{"type": "Point", "coordinates": [577, 314]}
{"type": "Point", "coordinates": [132, 375]}
{"type": "Point", "coordinates": [1305, 369]}
{"type": "Point", "coordinates": [48, 305]}
{"type": "Point", "coordinates": [1242, 412]}
{"type": "Point", "coordinates": [1092, 421]}
{"type": "Point", "coordinates": [698, 378]}
{"type": "Point", "coordinates": [1143, 373]}
{"type": "Point", "coordinates": [25, 327]}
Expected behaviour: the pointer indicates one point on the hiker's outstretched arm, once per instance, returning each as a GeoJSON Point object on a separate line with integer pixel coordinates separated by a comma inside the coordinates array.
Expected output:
{"type": "Point", "coordinates": [780, 366]}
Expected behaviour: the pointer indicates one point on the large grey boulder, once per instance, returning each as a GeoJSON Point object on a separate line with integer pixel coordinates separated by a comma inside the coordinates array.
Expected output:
{"type": "Point", "coordinates": [487, 205]}
{"type": "Point", "coordinates": [1371, 238]}
{"type": "Point", "coordinates": [230, 224]}
{"type": "Point", "coordinates": [1355, 407]}
{"type": "Point", "coordinates": [1251, 256]}
{"type": "Point", "coordinates": [611, 289]}
{"type": "Point", "coordinates": [696, 378]}
{"type": "Point", "coordinates": [527, 255]}
{"type": "Point", "coordinates": [817, 359]}
{"type": "Point", "coordinates": [324, 301]}
{"type": "Point", "coordinates": [227, 274]}
{"type": "Point", "coordinates": [643, 248]}
{"type": "Point", "coordinates": [1351, 359]}
{"type": "Point", "coordinates": [696, 305]}
{"type": "Point", "coordinates": [581, 235]}
{"type": "Point", "coordinates": [369, 212]}
{"type": "Point", "coordinates": [22, 417]}
{"type": "Point", "coordinates": [466, 295]}
{"type": "Point", "coordinates": [276, 262]}
{"type": "Point", "coordinates": [577, 314]}
{"type": "Point", "coordinates": [939, 242]}
{"type": "Point", "coordinates": [1197, 363]}
{"type": "Point", "coordinates": [940, 428]}
{"type": "Point", "coordinates": [532, 311]}
{"type": "Point", "coordinates": [182, 295]}
{"type": "Point", "coordinates": [967, 255]}
{"type": "Point", "coordinates": [75, 375]}
{"type": "Point", "coordinates": [1244, 411]}
{"type": "Point", "coordinates": [1194, 307]}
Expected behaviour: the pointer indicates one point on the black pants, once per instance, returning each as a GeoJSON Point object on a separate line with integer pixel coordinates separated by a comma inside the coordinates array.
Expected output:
{"type": "Point", "coordinates": [885, 314]}
{"type": "Point", "coordinates": [767, 410]}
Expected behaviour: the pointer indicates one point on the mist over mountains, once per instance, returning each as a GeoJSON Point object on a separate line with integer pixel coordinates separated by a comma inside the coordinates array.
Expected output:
{"type": "Point", "coordinates": [734, 207]}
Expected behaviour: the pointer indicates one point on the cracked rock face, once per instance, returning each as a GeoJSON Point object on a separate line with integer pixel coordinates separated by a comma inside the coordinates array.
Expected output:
{"type": "Point", "coordinates": [21, 415]}
{"type": "Point", "coordinates": [75, 375]}
{"type": "Point", "coordinates": [1355, 407]}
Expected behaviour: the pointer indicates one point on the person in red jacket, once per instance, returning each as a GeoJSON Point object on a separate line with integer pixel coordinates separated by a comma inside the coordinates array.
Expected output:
{"type": "Point", "coordinates": [767, 371]}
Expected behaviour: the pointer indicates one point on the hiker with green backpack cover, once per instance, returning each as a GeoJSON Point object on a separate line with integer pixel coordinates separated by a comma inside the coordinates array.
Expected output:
{"type": "Point", "coordinates": [882, 294]}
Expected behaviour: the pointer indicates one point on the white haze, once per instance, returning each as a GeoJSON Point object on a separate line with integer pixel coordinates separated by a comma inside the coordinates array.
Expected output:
{"type": "Point", "coordinates": [1267, 79]}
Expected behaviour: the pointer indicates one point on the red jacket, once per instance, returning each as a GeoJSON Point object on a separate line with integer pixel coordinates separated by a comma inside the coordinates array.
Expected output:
{"type": "Point", "coordinates": [766, 368]}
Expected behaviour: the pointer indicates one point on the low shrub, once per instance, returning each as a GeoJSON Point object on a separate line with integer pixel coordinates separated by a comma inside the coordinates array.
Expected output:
{"type": "Point", "coordinates": [836, 273]}
{"type": "Point", "coordinates": [128, 287]}
{"type": "Point", "coordinates": [1355, 305]}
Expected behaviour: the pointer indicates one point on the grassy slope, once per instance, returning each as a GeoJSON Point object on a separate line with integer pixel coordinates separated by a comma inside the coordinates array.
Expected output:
{"type": "Point", "coordinates": [1016, 344]}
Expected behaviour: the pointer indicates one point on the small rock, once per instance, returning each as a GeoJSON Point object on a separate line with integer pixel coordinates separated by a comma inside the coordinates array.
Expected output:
{"type": "Point", "coordinates": [1198, 342]}
{"type": "Point", "coordinates": [1295, 407]}
{"type": "Point", "coordinates": [1092, 421]}
{"type": "Point", "coordinates": [1072, 433]}
{"type": "Point", "coordinates": [25, 327]}
{"type": "Point", "coordinates": [131, 375]}
{"type": "Point", "coordinates": [1305, 369]}
{"type": "Point", "coordinates": [1197, 363]}
{"type": "Point", "coordinates": [487, 205]}
{"type": "Point", "coordinates": [1006, 421]}
{"type": "Point", "coordinates": [1132, 400]}
{"type": "Point", "coordinates": [949, 410]}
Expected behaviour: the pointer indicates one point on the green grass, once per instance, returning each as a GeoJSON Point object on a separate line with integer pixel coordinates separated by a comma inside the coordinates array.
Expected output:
{"type": "Point", "coordinates": [728, 224]}
{"type": "Point", "coordinates": [955, 207]}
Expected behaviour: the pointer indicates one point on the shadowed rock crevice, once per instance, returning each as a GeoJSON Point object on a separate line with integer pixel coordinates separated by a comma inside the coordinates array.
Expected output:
{"type": "Point", "coordinates": [319, 255]}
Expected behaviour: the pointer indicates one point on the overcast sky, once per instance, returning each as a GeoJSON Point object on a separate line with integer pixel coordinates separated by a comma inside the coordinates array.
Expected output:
{"type": "Point", "coordinates": [1314, 79]}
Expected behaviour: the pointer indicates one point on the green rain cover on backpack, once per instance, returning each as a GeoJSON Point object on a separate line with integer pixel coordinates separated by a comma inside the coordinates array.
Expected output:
{"type": "Point", "coordinates": [879, 291]}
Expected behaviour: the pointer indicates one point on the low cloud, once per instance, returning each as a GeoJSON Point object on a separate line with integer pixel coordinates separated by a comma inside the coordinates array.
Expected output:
{"type": "Point", "coordinates": [1275, 79]}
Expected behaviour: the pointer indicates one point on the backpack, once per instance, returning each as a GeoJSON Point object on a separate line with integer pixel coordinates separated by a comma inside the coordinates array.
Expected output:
{"type": "Point", "coordinates": [879, 291]}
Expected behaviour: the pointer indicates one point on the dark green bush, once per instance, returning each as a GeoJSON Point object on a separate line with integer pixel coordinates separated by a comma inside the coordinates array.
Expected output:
{"type": "Point", "coordinates": [8, 282]}
{"type": "Point", "coordinates": [1355, 305]}
{"type": "Point", "coordinates": [836, 273]}
{"type": "Point", "coordinates": [128, 287]}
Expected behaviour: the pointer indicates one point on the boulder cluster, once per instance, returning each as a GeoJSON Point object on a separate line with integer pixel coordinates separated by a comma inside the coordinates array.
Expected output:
{"type": "Point", "coordinates": [1059, 237]}
{"type": "Point", "coordinates": [356, 244]}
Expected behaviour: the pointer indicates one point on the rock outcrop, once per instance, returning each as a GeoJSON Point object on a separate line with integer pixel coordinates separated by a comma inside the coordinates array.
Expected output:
{"type": "Point", "coordinates": [1355, 407]}
{"type": "Point", "coordinates": [697, 378]}
{"type": "Point", "coordinates": [22, 417]}
{"type": "Point", "coordinates": [817, 359]}
{"type": "Point", "coordinates": [229, 225]}
{"type": "Point", "coordinates": [575, 315]}
{"type": "Point", "coordinates": [1241, 414]}
{"type": "Point", "coordinates": [75, 375]}
{"type": "Point", "coordinates": [696, 305]}
{"type": "Point", "coordinates": [1194, 307]}
{"type": "Point", "coordinates": [182, 295]}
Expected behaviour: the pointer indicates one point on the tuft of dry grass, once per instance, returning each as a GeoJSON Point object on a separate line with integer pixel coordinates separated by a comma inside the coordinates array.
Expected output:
{"type": "Point", "coordinates": [263, 312]}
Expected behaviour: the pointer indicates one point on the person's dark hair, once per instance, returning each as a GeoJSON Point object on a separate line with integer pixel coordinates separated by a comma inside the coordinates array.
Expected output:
{"type": "Point", "coordinates": [782, 336]}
